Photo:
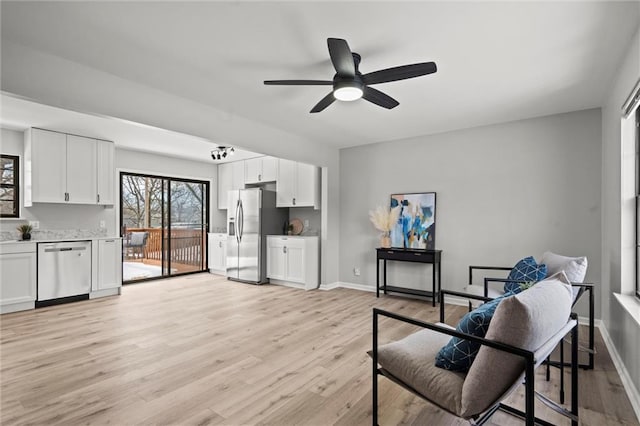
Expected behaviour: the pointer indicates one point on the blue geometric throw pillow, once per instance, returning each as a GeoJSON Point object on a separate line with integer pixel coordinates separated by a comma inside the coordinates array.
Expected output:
{"type": "Point", "coordinates": [525, 270]}
{"type": "Point", "coordinates": [458, 354]}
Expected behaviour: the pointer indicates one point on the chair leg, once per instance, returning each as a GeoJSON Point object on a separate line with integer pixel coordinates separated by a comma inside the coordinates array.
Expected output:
{"type": "Point", "coordinates": [374, 389]}
{"type": "Point", "coordinates": [574, 374]}
{"type": "Point", "coordinates": [548, 377]}
{"type": "Point", "coordinates": [530, 419]}
{"type": "Point", "coordinates": [562, 372]}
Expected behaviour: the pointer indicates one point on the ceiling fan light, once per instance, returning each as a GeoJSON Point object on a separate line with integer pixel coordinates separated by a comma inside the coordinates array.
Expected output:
{"type": "Point", "coordinates": [347, 93]}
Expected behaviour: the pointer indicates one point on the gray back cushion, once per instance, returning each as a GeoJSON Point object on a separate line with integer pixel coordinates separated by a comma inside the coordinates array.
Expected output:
{"type": "Point", "coordinates": [526, 320]}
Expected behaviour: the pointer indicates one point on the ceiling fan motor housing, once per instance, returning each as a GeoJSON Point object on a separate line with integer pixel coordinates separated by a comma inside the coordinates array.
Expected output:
{"type": "Point", "coordinates": [348, 88]}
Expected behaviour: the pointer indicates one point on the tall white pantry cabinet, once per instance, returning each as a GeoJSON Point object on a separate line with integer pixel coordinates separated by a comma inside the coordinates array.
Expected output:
{"type": "Point", "coordinates": [64, 168]}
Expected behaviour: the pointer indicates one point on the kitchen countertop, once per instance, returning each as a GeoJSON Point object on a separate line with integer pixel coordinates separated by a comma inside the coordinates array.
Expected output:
{"type": "Point", "coordinates": [58, 240]}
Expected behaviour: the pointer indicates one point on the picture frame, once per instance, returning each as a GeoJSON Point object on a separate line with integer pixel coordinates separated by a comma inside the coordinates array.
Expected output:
{"type": "Point", "coordinates": [416, 226]}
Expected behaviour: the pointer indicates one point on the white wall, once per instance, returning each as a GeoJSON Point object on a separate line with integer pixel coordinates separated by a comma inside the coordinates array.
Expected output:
{"type": "Point", "coordinates": [504, 191]}
{"type": "Point", "coordinates": [64, 216]}
{"type": "Point", "coordinates": [143, 162]}
{"type": "Point", "coordinates": [623, 329]}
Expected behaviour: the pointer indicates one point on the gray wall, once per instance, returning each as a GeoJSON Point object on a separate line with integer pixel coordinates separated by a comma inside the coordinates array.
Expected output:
{"type": "Point", "coordinates": [622, 327]}
{"type": "Point", "coordinates": [504, 191]}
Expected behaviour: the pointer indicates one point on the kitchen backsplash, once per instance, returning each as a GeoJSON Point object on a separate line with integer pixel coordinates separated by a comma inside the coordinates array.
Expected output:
{"type": "Point", "coordinates": [55, 234]}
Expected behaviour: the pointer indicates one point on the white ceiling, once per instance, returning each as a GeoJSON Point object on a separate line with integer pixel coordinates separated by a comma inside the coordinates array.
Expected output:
{"type": "Point", "coordinates": [497, 61]}
{"type": "Point", "coordinates": [21, 114]}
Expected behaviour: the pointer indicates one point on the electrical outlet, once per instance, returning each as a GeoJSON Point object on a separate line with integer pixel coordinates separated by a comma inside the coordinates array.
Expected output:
{"type": "Point", "coordinates": [306, 223]}
{"type": "Point", "coordinates": [356, 272]}
{"type": "Point", "coordinates": [103, 224]}
{"type": "Point", "coordinates": [34, 224]}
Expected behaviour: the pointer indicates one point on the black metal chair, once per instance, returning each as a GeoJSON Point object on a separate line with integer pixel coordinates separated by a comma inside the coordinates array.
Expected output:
{"type": "Point", "coordinates": [500, 364]}
{"type": "Point", "coordinates": [579, 289]}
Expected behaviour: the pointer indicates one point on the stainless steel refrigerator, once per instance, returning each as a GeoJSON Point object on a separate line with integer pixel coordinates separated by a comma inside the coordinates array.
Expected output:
{"type": "Point", "coordinates": [251, 216]}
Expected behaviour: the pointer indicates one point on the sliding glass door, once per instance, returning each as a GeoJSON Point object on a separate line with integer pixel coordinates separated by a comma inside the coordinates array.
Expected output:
{"type": "Point", "coordinates": [164, 223]}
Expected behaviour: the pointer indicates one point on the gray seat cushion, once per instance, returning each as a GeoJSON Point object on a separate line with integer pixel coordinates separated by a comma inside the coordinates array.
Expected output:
{"type": "Point", "coordinates": [412, 360]}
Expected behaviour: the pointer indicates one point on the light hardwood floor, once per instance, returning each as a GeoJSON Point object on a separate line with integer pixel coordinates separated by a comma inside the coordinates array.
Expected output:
{"type": "Point", "coordinates": [202, 350]}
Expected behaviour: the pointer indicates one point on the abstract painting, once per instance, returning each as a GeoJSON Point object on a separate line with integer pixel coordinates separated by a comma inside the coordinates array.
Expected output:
{"type": "Point", "coordinates": [416, 226]}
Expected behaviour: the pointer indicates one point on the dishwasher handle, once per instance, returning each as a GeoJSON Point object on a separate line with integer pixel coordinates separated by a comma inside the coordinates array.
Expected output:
{"type": "Point", "coordinates": [54, 249]}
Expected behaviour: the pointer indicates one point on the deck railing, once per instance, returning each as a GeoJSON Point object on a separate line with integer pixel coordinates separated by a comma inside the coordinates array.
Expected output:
{"type": "Point", "coordinates": [186, 245]}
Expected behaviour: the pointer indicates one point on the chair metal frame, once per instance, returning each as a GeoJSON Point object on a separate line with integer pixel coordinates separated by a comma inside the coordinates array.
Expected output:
{"type": "Point", "coordinates": [529, 381]}
{"type": "Point", "coordinates": [583, 287]}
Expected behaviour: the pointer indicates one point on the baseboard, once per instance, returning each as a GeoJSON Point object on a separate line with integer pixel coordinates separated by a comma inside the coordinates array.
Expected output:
{"type": "Point", "coordinates": [329, 286]}
{"type": "Point", "coordinates": [352, 286]}
{"type": "Point", "coordinates": [629, 387]}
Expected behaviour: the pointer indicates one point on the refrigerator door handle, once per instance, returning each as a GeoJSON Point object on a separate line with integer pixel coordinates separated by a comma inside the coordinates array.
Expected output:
{"type": "Point", "coordinates": [237, 221]}
{"type": "Point", "coordinates": [240, 221]}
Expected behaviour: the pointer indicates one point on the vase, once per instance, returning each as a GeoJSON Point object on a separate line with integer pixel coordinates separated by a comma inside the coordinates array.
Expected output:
{"type": "Point", "coordinates": [385, 241]}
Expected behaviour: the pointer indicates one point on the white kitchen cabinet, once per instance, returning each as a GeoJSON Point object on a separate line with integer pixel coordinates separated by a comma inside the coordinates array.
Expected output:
{"type": "Point", "coordinates": [297, 185]}
{"type": "Point", "coordinates": [109, 264]}
{"type": "Point", "coordinates": [230, 177]}
{"type": "Point", "coordinates": [45, 163]}
{"type": "Point", "coordinates": [82, 186]}
{"type": "Point", "coordinates": [293, 261]}
{"type": "Point", "coordinates": [17, 276]}
{"type": "Point", "coordinates": [260, 169]}
{"type": "Point", "coordinates": [62, 168]}
{"type": "Point", "coordinates": [105, 172]}
{"type": "Point", "coordinates": [218, 253]}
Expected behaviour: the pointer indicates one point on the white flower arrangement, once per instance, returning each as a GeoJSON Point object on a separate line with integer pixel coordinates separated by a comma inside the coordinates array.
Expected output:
{"type": "Point", "coordinates": [384, 219]}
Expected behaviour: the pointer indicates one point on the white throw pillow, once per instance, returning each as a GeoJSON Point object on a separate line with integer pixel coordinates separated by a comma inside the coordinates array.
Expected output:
{"type": "Point", "coordinates": [574, 267]}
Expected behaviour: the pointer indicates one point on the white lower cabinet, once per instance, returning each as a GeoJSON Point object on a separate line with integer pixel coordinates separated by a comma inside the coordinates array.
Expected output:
{"type": "Point", "coordinates": [293, 260]}
{"type": "Point", "coordinates": [218, 253]}
{"type": "Point", "coordinates": [107, 267]}
{"type": "Point", "coordinates": [17, 277]}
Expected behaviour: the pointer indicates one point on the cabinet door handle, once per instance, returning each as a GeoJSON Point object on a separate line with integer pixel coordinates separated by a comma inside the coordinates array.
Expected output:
{"type": "Point", "coordinates": [220, 244]}
{"type": "Point", "coordinates": [66, 196]}
{"type": "Point", "coordinates": [98, 198]}
{"type": "Point", "coordinates": [284, 249]}
{"type": "Point", "coordinates": [294, 201]}
{"type": "Point", "coordinates": [109, 241]}
{"type": "Point", "coordinates": [259, 177]}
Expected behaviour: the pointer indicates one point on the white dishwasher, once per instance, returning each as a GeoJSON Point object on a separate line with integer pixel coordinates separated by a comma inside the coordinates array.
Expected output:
{"type": "Point", "coordinates": [64, 269]}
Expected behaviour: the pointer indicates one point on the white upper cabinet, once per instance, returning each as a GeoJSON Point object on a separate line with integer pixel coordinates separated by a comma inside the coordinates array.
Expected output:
{"type": "Point", "coordinates": [61, 168]}
{"type": "Point", "coordinates": [260, 169]}
{"type": "Point", "coordinates": [82, 186]}
{"type": "Point", "coordinates": [298, 185]}
{"type": "Point", "coordinates": [45, 161]}
{"type": "Point", "coordinates": [230, 176]}
{"type": "Point", "coordinates": [105, 172]}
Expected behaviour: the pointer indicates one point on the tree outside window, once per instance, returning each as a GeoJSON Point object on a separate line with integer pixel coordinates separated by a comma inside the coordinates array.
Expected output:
{"type": "Point", "coordinates": [9, 186]}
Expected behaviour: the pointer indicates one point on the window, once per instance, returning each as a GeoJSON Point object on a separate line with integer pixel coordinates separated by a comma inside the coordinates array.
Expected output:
{"type": "Point", "coordinates": [10, 186]}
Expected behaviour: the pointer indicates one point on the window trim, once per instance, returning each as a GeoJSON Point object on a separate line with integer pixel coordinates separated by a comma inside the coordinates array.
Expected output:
{"type": "Point", "coordinates": [15, 186]}
{"type": "Point", "coordinates": [637, 181]}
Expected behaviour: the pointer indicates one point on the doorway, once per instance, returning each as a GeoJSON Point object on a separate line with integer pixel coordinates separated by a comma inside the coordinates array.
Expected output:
{"type": "Point", "coordinates": [164, 223]}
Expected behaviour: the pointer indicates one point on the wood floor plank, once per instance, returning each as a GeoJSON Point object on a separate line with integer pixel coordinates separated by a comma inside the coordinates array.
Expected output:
{"type": "Point", "coordinates": [200, 350]}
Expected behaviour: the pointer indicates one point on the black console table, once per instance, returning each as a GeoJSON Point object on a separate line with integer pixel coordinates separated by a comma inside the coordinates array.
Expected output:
{"type": "Point", "coordinates": [409, 255]}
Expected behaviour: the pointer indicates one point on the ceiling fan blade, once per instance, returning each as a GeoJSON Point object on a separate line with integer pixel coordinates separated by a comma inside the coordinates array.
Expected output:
{"type": "Point", "coordinates": [324, 102]}
{"type": "Point", "coordinates": [341, 57]}
{"type": "Point", "coordinates": [379, 98]}
{"type": "Point", "coordinates": [298, 82]}
{"type": "Point", "coordinates": [399, 73]}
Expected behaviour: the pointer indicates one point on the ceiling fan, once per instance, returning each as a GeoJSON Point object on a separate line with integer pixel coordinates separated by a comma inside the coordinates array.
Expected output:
{"type": "Point", "coordinates": [350, 84]}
